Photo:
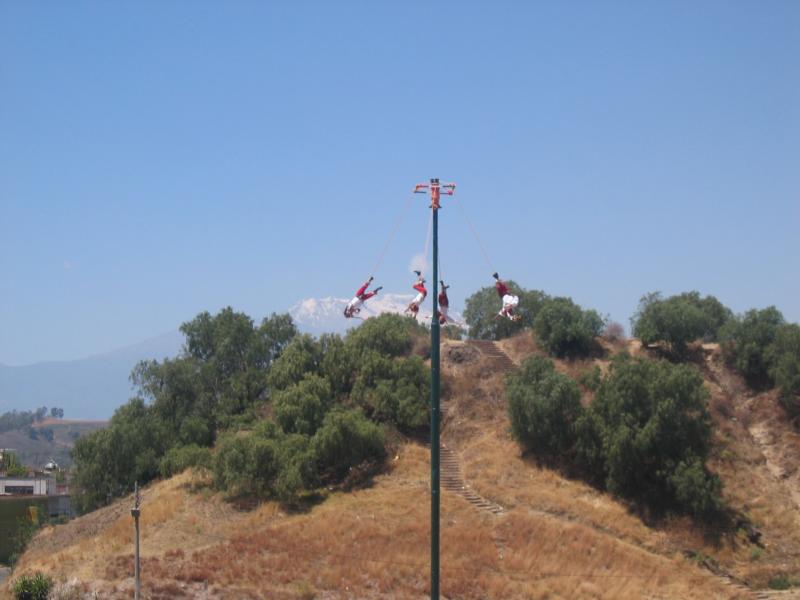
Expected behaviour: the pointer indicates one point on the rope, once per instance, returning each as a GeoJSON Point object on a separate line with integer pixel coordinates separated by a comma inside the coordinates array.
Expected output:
{"type": "Point", "coordinates": [398, 221]}
{"type": "Point", "coordinates": [477, 237]}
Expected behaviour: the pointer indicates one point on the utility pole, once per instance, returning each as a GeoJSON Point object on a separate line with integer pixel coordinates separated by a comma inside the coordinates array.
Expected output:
{"type": "Point", "coordinates": [135, 512]}
{"type": "Point", "coordinates": [435, 189]}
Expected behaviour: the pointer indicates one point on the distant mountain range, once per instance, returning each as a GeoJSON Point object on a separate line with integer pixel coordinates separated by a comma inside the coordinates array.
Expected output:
{"type": "Point", "coordinates": [93, 387]}
{"type": "Point", "coordinates": [325, 315]}
{"type": "Point", "coordinates": [87, 388]}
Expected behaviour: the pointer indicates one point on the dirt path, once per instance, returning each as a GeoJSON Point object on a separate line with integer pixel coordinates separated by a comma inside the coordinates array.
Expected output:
{"type": "Point", "coordinates": [766, 438]}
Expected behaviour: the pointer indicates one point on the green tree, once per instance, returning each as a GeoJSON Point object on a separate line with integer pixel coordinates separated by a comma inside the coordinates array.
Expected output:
{"type": "Point", "coordinates": [9, 463]}
{"type": "Point", "coordinates": [480, 312]}
{"type": "Point", "coordinates": [179, 458]}
{"type": "Point", "coordinates": [676, 320]}
{"type": "Point", "coordinates": [783, 358]}
{"type": "Point", "coordinates": [565, 329]}
{"type": "Point", "coordinates": [109, 461]}
{"type": "Point", "coordinates": [393, 391]}
{"type": "Point", "coordinates": [346, 439]}
{"type": "Point", "coordinates": [715, 314]}
{"type": "Point", "coordinates": [301, 356]}
{"type": "Point", "coordinates": [339, 363]}
{"type": "Point", "coordinates": [388, 334]}
{"type": "Point", "coordinates": [745, 341]}
{"type": "Point", "coordinates": [543, 406]}
{"type": "Point", "coordinates": [650, 432]}
{"type": "Point", "coordinates": [301, 407]}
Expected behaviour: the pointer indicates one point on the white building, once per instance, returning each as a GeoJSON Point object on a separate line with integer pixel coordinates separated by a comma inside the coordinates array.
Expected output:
{"type": "Point", "coordinates": [27, 486]}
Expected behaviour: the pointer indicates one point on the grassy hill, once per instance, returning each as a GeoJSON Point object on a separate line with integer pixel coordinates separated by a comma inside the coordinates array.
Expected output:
{"type": "Point", "coordinates": [36, 451]}
{"type": "Point", "coordinates": [551, 537]}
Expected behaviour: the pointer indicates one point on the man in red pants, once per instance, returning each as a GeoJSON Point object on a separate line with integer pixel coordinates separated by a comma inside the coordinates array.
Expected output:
{"type": "Point", "coordinates": [419, 286]}
{"type": "Point", "coordinates": [354, 306]}
{"type": "Point", "coordinates": [444, 304]}
{"type": "Point", "coordinates": [509, 300]}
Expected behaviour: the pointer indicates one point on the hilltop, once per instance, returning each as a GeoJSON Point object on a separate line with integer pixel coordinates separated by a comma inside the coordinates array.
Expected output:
{"type": "Point", "coordinates": [515, 530]}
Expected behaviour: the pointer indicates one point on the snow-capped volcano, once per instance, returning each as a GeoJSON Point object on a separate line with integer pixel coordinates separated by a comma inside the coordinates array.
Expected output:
{"type": "Point", "coordinates": [326, 315]}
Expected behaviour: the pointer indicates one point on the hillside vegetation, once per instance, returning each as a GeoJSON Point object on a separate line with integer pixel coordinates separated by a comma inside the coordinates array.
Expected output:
{"type": "Point", "coordinates": [295, 467]}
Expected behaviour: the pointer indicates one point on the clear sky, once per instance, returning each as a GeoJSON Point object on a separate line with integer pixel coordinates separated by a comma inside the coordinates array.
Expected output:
{"type": "Point", "coordinates": [162, 158]}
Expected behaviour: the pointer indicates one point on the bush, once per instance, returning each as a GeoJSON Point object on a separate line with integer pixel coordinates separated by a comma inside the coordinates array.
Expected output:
{"type": "Point", "coordinates": [32, 587]}
{"type": "Point", "coordinates": [388, 334]}
{"type": "Point", "coordinates": [678, 320]}
{"type": "Point", "coordinates": [614, 332]}
{"type": "Point", "coordinates": [180, 458]}
{"type": "Point", "coordinates": [543, 406]}
{"type": "Point", "coordinates": [480, 312]}
{"type": "Point", "coordinates": [564, 329]}
{"type": "Point", "coordinates": [346, 439]}
{"type": "Point", "coordinates": [783, 357]}
{"type": "Point", "coordinates": [393, 391]}
{"type": "Point", "coordinates": [301, 356]}
{"type": "Point", "coordinates": [745, 341]}
{"type": "Point", "coordinates": [264, 464]}
{"type": "Point", "coordinates": [649, 432]}
{"type": "Point", "coordinates": [302, 407]}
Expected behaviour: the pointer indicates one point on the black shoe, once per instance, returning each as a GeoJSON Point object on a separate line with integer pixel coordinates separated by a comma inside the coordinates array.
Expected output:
{"type": "Point", "coordinates": [419, 273]}
{"type": "Point", "coordinates": [370, 278]}
{"type": "Point", "coordinates": [378, 289]}
{"type": "Point", "coordinates": [495, 275]}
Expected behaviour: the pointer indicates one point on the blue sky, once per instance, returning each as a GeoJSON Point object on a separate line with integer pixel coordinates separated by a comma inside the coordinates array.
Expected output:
{"type": "Point", "coordinates": [159, 159]}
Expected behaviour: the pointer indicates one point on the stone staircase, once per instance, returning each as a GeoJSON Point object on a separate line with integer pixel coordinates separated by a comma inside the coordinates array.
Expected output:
{"type": "Point", "coordinates": [450, 477]}
{"type": "Point", "coordinates": [497, 358]}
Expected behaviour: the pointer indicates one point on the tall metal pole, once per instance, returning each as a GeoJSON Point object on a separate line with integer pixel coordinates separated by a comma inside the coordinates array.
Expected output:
{"type": "Point", "coordinates": [435, 411]}
{"type": "Point", "coordinates": [436, 189]}
{"type": "Point", "coordinates": [135, 512]}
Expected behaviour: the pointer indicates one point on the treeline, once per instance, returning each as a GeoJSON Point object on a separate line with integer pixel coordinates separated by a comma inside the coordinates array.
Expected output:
{"type": "Point", "coordinates": [287, 412]}
{"type": "Point", "coordinates": [759, 344]}
{"type": "Point", "coordinates": [12, 420]}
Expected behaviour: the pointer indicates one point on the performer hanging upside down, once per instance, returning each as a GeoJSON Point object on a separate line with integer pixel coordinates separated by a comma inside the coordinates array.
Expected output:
{"type": "Point", "coordinates": [354, 306]}
{"type": "Point", "coordinates": [419, 286]}
{"type": "Point", "coordinates": [444, 304]}
{"type": "Point", "coordinates": [510, 301]}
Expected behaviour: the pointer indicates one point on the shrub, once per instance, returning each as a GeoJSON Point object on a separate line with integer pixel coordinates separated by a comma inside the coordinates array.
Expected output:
{"type": "Point", "coordinates": [543, 406]}
{"type": "Point", "coordinates": [564, 329]}
{"type": "Point", "coordinates": [265, 463]}
{"type": "Point", "coordinates": [783, 357]}
{"type": "Point", "coordinates": [302, 407]}
{"type": "Point", "coordinates": [32, 587]}
{"type": "Point", "coordinates": [649, 432]}
{"type": "Point", "coordinates": [346, 439]}
{"type": "Point", "coordinates": [745, 340]}
{"type": "Point", "coordinates": [614, 332]}
{"type": "Point", "coordinates": [339, 363]}
{"type": "Point", "coordinates": [180, 458]}
{"type": "Point", "coordinates": [301, 356]}
{"type": "Point", "coordinates": [591, 378]}
{"type": "Point", "coordinates": [394, 391]}
{"type": "Point", "coordinates": [676, 320]}
{"type": "Point", "coordinates": [780, 582]}
{"type": "Point", "coordinates": [388, 334]}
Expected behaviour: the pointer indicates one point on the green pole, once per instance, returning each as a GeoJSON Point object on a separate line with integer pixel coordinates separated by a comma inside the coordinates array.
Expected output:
{"type": "Point", "coordinates": [435, 410]}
